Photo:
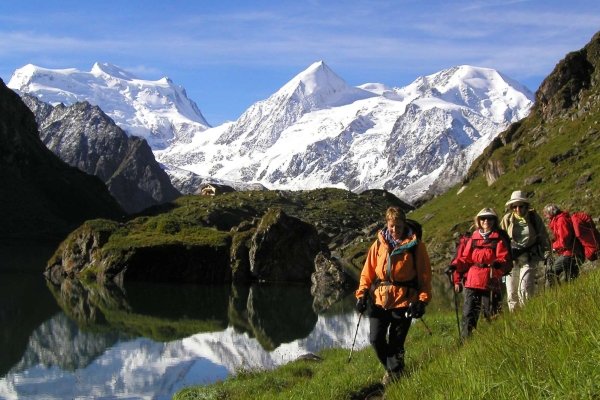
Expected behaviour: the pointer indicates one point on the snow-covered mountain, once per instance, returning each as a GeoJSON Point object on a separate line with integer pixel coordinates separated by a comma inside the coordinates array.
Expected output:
{"type": "Point", "coordinates": [318, 131]}
{"type": "Point", "coordinates": [158, 111]}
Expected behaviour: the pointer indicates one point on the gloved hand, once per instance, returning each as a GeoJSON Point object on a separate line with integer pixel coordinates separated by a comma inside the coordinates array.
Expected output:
{"type": "Point", "coordinates": [416, 310]}
{"type": "Point", "coordinates": [361, 303]}
{"type": "Point", "coordinates": [496, 265]}
{"type": "Point", "coordinates": [449, 269]}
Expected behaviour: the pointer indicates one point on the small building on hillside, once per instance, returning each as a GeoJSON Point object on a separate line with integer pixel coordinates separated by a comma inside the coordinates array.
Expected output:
{"type": "Point", "coordinates": [213, 189]}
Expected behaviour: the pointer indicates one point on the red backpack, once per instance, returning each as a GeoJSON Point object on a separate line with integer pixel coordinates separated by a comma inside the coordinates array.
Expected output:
{"type": "Point", "coordinates": [587, 234]}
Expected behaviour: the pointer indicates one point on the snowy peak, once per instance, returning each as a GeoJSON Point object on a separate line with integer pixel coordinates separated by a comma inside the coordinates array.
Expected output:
{"type": "Point", "coordinates": [316, 88]}
{"type": "Point", "coordinates": [111, 70]}
{"type": "Point", "coordinates": [157, 111]}
{"type": "Point", "coordinates": [316, 77]}
{"type": "Point", "coordinates": [319, 87]}
{"type": "Point", "coordinates": [476, 88]}
{"type": "Point", "coordinates": [317, 131]}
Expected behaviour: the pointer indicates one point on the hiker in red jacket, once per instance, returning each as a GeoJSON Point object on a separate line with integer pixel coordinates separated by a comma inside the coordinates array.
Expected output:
{"type": "Point", "coordinates": [565, 244]}
{"type": "Point", "coordinates": [483, 261]}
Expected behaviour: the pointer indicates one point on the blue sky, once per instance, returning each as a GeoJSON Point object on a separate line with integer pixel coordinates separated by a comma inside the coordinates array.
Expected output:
{"type": "Point", "coordinates": [231, 54]}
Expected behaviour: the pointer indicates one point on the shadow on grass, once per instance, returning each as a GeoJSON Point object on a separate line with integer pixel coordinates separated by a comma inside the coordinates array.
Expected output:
{"type": "Point", "coordinates": [372, 392]}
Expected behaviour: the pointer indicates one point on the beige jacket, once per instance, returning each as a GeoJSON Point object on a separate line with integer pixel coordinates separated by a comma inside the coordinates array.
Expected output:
{"type": "Point", "coordinates": [538, 242]}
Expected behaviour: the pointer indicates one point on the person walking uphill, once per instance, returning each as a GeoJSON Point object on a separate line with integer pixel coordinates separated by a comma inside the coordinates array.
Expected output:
{"type": "Point", "coordinates": [530, 245]}
{"type": "Point", "coordinates": [483, 262]}
{"type": "Point", "coordinates": [396, 278]}
{"type": "Point", "coordinates": [568, 249]}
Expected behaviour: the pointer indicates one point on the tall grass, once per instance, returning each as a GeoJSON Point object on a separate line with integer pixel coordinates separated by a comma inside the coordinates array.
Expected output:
{"type": "Point", "coordinates": [549, 349]}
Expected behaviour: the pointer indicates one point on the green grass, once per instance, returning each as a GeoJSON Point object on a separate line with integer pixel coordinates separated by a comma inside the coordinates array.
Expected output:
{"type": "Point", "coordinates": [548, 349]}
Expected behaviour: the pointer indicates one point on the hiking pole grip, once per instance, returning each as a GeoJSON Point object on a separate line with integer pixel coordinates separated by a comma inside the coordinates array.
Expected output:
{"type": "Point", "coordinates": [354, 341]}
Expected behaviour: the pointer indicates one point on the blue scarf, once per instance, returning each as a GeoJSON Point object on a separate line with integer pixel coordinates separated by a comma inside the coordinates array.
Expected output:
{"type": "Point", "coordinates": [397, 250]}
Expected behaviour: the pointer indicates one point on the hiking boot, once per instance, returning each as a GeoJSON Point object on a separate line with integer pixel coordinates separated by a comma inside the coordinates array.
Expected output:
{"type": "Point", "coordinates": [391, 377]}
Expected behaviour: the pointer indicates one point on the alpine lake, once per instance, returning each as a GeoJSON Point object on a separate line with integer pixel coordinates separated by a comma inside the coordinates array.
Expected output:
{"type": "Point", "coordinates": [149, 340]}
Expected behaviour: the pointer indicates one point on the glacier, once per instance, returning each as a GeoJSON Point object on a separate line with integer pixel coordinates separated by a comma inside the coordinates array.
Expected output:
{"type": "Point", "coordinates": [315, 131]}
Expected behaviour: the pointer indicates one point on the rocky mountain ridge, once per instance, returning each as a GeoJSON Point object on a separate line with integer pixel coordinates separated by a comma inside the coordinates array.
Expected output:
{"type": "Point", "coordinates": [41, 196]}
{"type": "Point", "coordinates": [158, 111]}
{"type": "Point", "coordinates": [316, 131]}
{"type": "Point", "coordinates": [86, 138]}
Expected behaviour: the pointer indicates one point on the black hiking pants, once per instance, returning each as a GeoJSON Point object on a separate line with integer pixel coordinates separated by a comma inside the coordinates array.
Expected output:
{"type": "Point", "coordinates": [567, 266]}
{"type": "Point", "coordinates": [477, 300]}
{"type": "Point", "coordinates": [389, 351]}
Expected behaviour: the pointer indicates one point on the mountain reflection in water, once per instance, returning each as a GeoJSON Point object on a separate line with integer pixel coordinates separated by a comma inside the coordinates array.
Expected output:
{"type": "Point", "coordinates": [149, 340]}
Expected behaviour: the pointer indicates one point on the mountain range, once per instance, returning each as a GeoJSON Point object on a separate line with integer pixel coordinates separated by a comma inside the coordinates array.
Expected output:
{"type": "Point", "coordinates": [158, 111]}
{"type": "Point", "coordinates": [83, 136]}
{"type": "Point", "coordinates": [316, 131]}
{"type": "Point", "coordinates": [42, 196]}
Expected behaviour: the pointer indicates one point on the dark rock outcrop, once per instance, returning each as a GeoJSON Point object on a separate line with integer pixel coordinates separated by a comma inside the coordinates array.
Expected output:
{"type": "Point", "coordinates": [576, 72]}
{"type": "Point", "coordinates": [42, 196]}
{"type": "Point", "coordinates": [83, 136]}
{"type": "Point", "coordinates": [86, 254]}
{"type": "Point", "coordinates": [329, 283]}
{"type": "Point", "coordinates": [283, 248]}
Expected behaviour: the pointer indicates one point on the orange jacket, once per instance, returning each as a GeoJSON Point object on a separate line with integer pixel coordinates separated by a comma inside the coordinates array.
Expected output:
{"type": "Point", "coordinates": [398, 280]}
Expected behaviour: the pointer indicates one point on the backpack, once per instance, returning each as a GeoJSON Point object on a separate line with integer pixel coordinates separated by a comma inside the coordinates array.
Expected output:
{"type": "Point", "coordinates": [416, 227]}
{"type": "Point", "coordinates": [587, 234]}
{"type": "Point", "coordinates": [505, 237]}
{"type": "Point", "coordinates": [418, 230]}
{"type": "Point", "coordinates": [463, 240]}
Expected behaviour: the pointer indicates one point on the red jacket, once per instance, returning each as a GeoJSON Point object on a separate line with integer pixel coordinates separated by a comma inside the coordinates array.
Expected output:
{"type": "Point", "coordinates": [476, 258]}
{"type": "Point", "coordinates": [564, 236]}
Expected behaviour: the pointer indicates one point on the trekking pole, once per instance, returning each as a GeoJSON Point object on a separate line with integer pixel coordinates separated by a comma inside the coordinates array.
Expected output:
{"type": "Point", "coordinates": [426, 327]}
{"type": "Point", "coordinates": [491, 293]}
{"type": "Point", "coordinates": [354, 341]}
{"type": "Point", "coordinates": [455, 304]}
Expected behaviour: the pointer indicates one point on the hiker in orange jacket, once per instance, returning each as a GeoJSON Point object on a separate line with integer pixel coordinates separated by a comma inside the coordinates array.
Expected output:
{"type": "Point", "coordinates": [396, 280]}
{"type": "Point", "coordinates": [483, 261]}
{"type": "Point", "coordinates": [568, 249]}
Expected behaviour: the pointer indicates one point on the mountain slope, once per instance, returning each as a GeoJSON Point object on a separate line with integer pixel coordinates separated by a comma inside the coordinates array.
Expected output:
{"type": "Point", "coordinates": [552, 154]}
{"type": "Point", "coordinates": [85, 137]}
{"type": "Point", "coordinates": [42, 196]}
{"type": "Point", "coordinates": [158, 111]}
{"type": "Point", "coordinates": [316, 131]}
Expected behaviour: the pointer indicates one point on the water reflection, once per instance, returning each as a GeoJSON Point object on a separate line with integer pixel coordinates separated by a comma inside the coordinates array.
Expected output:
{"type": "Point", "coordinates": [149, 340]}
{"type": "Point", "coordinates": [66, 360]}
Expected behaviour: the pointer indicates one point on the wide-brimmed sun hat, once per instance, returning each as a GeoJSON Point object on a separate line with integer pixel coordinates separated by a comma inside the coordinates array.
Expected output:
{"type": "Point", "coordinates": [487, 212]}
{"type": "Point", "coordinates": [516, 196]}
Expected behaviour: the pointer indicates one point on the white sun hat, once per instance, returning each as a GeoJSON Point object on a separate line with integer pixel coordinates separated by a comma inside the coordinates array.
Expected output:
{"type": "Point", "coordinates": [516, 196]}
{"type": "Point", "coordinates": [487, 211]}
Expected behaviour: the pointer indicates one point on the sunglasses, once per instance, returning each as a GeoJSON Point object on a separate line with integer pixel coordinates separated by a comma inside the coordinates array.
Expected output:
{"type": "Point", "coordinates": [487, 218]}
{"type": "Point", "coordinates": [519, 206]}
